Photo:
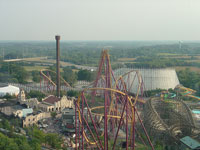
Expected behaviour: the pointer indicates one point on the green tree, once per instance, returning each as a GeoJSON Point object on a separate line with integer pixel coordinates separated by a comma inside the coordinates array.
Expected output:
{"type": "Point", "coordinates": [6, 125]}
{"type": "Point", "coordinates": [7, 143]}
{"type": "Point", "coordinates": [86, 75]}
{"type": "Point", "coordinates": [36, 94]}
{"type": "Point", "coordinates": [69, 75]}
{"type": "Point", "coordinates": [35, 144]}
{"type": "Point", "coordinates": [53, 140]}
{"type": "Point", "coordinates": [15, 70]}
{"type": "Point", "coordinates": [189, 79]}
{"type": "Point", "coordinates": [53, 115]}
{"type": "Point", "coordinates": [73, 93]}
{"type": "Point", "coordinates": [35, 76]}
{"type": "Point", "coordinates": [21, 75]}
{"type": "Point", "coordinates": [39, 135]}
{"type": "Point", "coordinates": [22, 143]}
{"type": "Point", "coordinates": [8, 96]}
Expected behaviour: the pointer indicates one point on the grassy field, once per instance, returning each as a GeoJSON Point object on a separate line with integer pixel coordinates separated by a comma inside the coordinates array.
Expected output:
{"type": "Point", "coordinates": [195, 69]}
{"type": "Point", "coordinates": [47, 61]}
{"type": "Point", "coordinates": [35, 59]}
{"type": "Point", "coordinates": [31, 68]}
{"type": "Point", "coordinates": [167, 54]}
{"type": "Point", "coordinates": [37, 68]}
{"type": "Point", "coordinates": [126, 59]}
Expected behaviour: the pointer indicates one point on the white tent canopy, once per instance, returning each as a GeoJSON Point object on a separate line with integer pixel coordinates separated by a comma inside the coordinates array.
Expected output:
{"type": "Point", "coordinates": [9, 89]}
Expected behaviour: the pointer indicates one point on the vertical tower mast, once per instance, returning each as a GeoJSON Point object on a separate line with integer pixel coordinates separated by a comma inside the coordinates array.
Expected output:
{"type": "Point", "coordinates": [57, 37]}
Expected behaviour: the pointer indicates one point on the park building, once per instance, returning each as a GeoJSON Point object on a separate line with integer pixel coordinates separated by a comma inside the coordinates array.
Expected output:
{"type": "Point", "coordinates": [33, 118]}
{"type": "Point", "coordinates": [30, 111]}
{"type": "Point", "coordinates": [30, 103]}
{"type": "Point", "coordinates": [50, 103]}
{"type": "Point", "coordinates": [68, 120]}
{"type": "Point", "coordinates": [53, 103]}
{"type": "Point", "coordinates": [152, 79]}
{"type": "Point", "coordinates": [188, 143]}
{"type": "Point", "coordinates": [8, 89]}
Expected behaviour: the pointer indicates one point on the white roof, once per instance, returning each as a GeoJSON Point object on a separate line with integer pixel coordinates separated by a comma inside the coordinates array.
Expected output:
{"type": "Point", "coordinates": [9, 89]}
{"type": "Point", "coordinates": [152, 78]}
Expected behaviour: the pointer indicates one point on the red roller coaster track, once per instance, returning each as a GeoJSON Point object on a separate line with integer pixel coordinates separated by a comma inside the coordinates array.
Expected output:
{"type": "Point", "coordinates": [106, 109]}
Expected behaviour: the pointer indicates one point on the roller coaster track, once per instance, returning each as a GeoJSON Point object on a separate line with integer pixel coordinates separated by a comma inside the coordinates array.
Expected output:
{"type": "Point", "coordinates": [109, 107]}
{"type": "Point", "coordinates": [155, 123]}
{"type": "Point", "coordinates": [190, 117]}
{"type": "Point", "coordinates": [154, 119]}
{"type": "Point", "coordinates": [49, 79]}
{"type": "Point", "coordinates": [128, 117]}
{"type": "Point", "coordinates": [138, 76]}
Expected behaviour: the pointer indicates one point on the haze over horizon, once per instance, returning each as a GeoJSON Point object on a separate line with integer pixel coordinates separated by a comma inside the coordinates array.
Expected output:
{"type": "Point", "coordinates": [100, 20]}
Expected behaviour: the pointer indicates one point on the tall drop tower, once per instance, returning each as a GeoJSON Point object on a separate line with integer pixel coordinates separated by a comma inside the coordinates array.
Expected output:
{"type": "Point", "coordinates": [58, 64]}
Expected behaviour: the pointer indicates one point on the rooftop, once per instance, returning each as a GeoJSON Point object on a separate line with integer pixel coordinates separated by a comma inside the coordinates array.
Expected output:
{"type": "Point", "coordinates": [27, 111]}
{"type": "Point", "coordinates": [191, 143]}
{"type": "Point", "coordinates": [195, 111]}
{"type": "Point", "coordinates": [51, 99]}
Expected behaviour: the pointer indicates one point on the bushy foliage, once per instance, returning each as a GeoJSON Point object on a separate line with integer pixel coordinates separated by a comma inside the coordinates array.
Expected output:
{"type": "Point", "coordinates": [13, 72]}
{"type": "Point", "coordinates": [86, 75]}
{"type": "Point", "coordinates": [189, 79]}
{"type": "Point", "coordinates": [73, 93]}
{"type": "Point", "coordinates": [69, 75]}
{"type": "Point", "coordinates": [35, 94]}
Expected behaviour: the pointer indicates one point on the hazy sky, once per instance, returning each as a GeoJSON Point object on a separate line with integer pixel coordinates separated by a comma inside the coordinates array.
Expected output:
{"type": "Point", "coordinates": [100, 19]}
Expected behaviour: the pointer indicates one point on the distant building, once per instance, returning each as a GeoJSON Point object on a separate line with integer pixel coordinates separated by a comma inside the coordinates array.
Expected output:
{"type": "Point", "coordinates": [23, 112]}
{"type": "Point", "coordinates": [68, 120]}
{"type": "Point", "coordinates": [188, 143]}
{"type": "Point", "coordinates": [152, 78]}
{"type": "Point", "coordinates": [32, 119]}
{"type": "Point", "coordinates": [53, 103]}
{"type": "Point", "coordinates": [15, 110]}
{"type": "Point", "coordinates": [8, 89]}
{"type": "Point", "coordinates": [22, 96]}
{"type": "Point", "coordinates": [48, 104]}
{"type": "Point", "coordinates": [30, 103]}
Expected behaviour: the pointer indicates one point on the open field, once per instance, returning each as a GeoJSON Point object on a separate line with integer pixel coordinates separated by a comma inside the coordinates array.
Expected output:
{"type": "Point", "coordinates": [195, 69]}
{"type": "Point", "coordinates": [35, 59]}
{"type": "Point", "coordinates": [49, 61]}
{"type": "Point", "coordinates": [126, 59]}
{"type": "Point", "coordinates": [197, 57]}
{"type": "Point", "coordinates": [37, 68]}
{"type": "Point", "coordinates": [167, 54]}
{"type": "Point", "coordinates": [31, 68]}
{"type": "Point", "coordinates": [196, 61]}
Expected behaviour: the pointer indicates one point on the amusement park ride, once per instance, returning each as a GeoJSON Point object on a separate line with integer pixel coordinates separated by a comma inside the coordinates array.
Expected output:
{"type": "Point", "coordinates": [106, 112]}
{"type": "Point", "coordinates": [47, 82]}
{"type": "Point", "coordinates": [188, 92]}
{"type": "Point", "coordinates": [106, 109]}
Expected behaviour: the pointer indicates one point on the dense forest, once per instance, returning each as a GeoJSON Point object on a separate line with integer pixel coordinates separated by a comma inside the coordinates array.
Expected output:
{"type": "Point", "coordinates": [146, 54]}
{"type": "Point", "coordinates": [13, 72]}
{"type": "Point", "coordinates": [190, 79]}
{"type": "Point", "coordinates": [134, 54]}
